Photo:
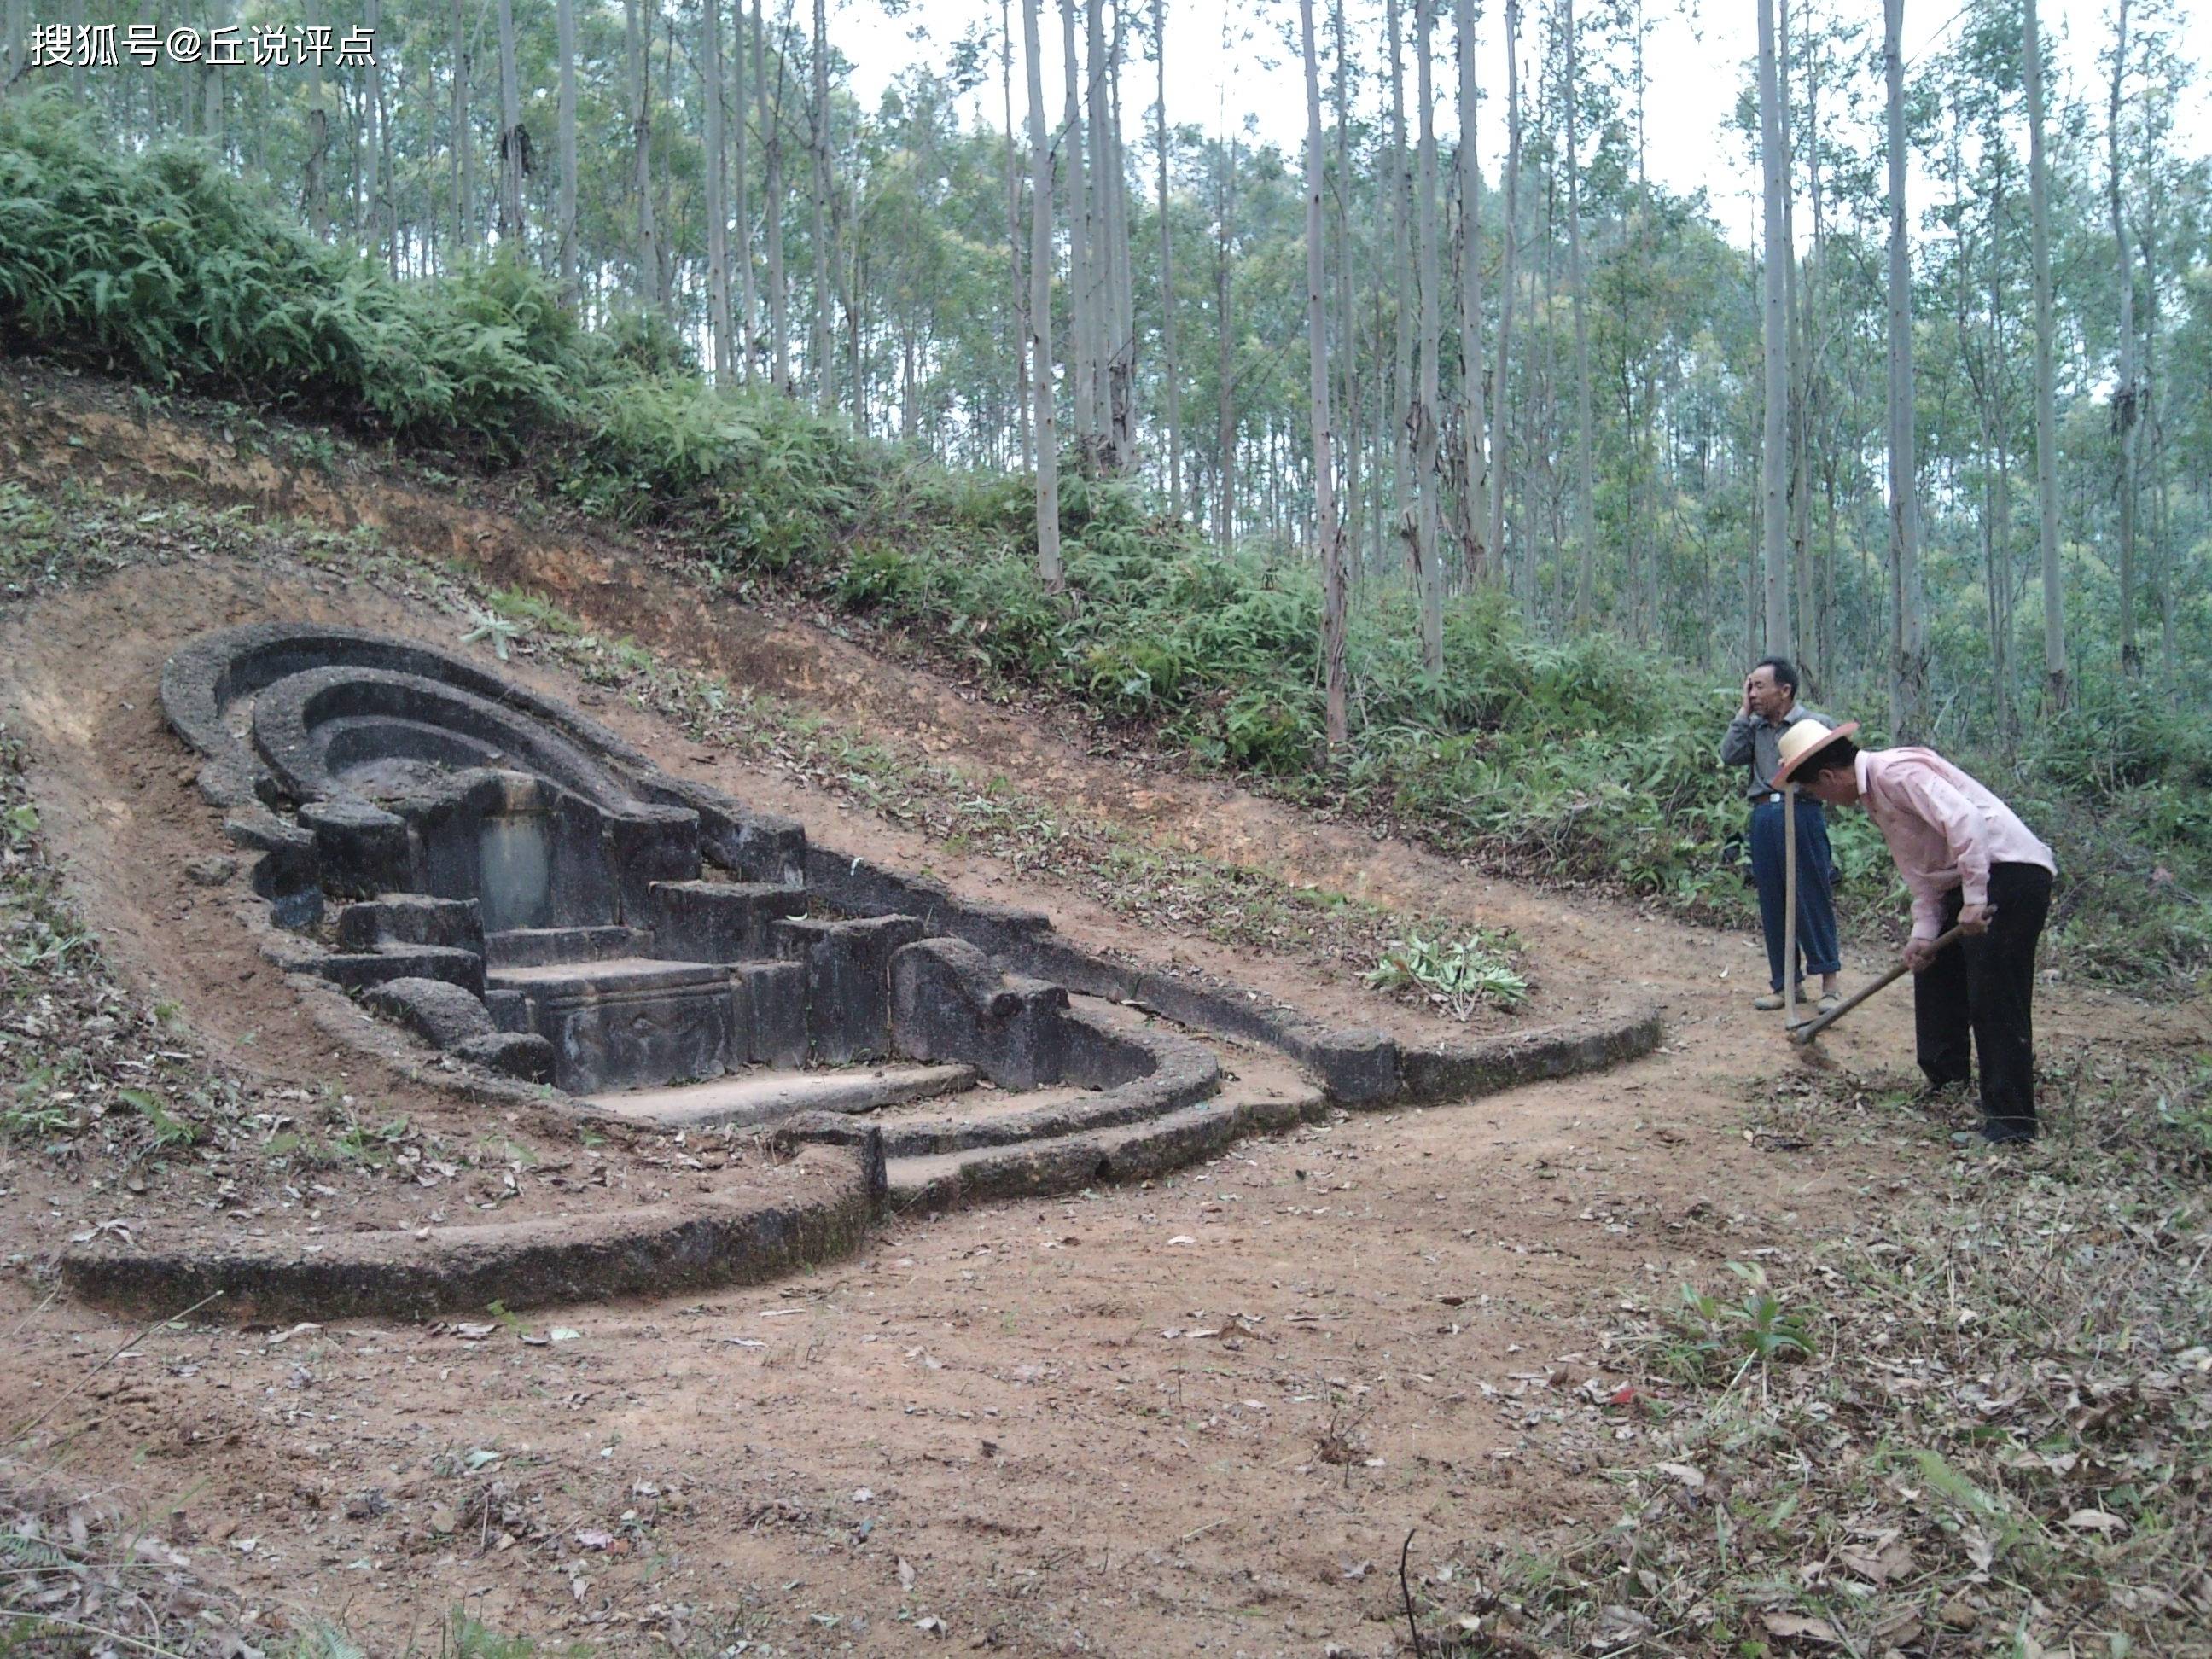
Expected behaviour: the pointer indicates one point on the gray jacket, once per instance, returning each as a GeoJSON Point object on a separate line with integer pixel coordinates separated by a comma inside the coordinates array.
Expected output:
{"type": "Point", "coordinates": [1755, 742]}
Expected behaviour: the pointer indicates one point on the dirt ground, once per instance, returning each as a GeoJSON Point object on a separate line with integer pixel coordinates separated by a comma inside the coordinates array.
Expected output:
{"type": "Point", "coordinates": [1197, 1415]}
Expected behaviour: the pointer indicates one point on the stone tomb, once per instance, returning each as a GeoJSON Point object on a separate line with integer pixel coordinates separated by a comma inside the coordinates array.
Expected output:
{"type": "Point", "coordinates": [522, 889]}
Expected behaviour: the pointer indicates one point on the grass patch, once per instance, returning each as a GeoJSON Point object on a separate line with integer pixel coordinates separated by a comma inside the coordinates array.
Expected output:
{"type": "Point", "coordinates": [1981, 1424]}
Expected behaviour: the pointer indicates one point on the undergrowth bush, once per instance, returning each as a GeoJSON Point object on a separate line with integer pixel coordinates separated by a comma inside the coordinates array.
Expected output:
{"type": "Point", "coordinates": [1585, 760]}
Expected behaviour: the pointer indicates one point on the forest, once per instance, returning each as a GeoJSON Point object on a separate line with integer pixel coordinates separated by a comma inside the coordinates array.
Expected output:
{"type": "Point", "coordinates": [1592, 354]}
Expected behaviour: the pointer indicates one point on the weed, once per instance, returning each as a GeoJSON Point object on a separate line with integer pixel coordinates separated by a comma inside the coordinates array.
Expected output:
{"type": "Point", "coordinates": [1460, 976]}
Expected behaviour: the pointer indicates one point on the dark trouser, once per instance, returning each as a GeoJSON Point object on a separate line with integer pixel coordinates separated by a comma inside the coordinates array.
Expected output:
{"type": "Point", "coordinates": [1980, 987]}
{"type": "Point", "coordinates": [1816, 902]}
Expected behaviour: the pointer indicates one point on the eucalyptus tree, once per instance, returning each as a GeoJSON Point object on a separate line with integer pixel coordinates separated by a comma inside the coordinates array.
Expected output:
{"type": "Point", "coordinates": [565, 144]}
{"type": "Point", "coordinates": [819, 353]}
{"type": "Point", "coordinates": [1170, 362]}
{"type": "Point", "coordinates": [1047, 441]}
{"type": "Point", "coordinates": [1328, 530]}
{"type": "Point", "coordinates": [1585, 464]}
{"type": "Point", "coordinates": [513, 143]}
{"type": "Point", "coordinates": [1398, 414]}
{"type": "Point", "coordinates": [1425, 416]}
{"type": "Point", "coordinates": [2127, 394]}
{"type": "Point", "coordinates": [774, 196]}
{"type": "Point", "coordinates": [2056, 692]}
{"type": "Point", "coordinates": [1472, 505]}
{"type": "Point", "coordinates": [639, 35]}
{"type": "Point", "coordinates": [1509, 284]}
{"type": "Point", "coordinates": [718, 222]}
{"type": "Point", "coordinates": [1908, 678]}
{"type": "Point", "coordinates": [1774, 458]}
{"type": "Point", "coordinates": [314, 189]}
{"type": "Point", "coordinates": [748, 284]}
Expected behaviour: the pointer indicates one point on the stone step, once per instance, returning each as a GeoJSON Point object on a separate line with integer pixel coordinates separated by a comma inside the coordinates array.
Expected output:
{"type": "Point", "coordinates": [1264, 1103]}
{"type": "Point", "coordinates": [628, 1021]}
{"type": "Point", "coordinates": [546, 947]}
{"type": "Point", "coordinates": [763, 1096]}
{"type": "Point", "coordinates": [721, 920]}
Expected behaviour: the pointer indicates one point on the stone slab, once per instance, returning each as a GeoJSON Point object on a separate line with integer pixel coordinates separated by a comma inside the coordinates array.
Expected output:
{"type": "Point", "coordinates": [765, 1096]}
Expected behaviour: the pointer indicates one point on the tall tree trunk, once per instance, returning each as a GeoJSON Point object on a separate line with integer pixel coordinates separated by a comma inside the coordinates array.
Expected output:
{"type": "Point", "coordinates": [1105, 308]}
{"type": "Point", "coordinates": [1047, 442]}
{"type": "Point", "coordinates": [1908, 681]}
{"type": "Point", "coordinates": [2056, 692]}
{"type": "Point", "coordinates": [818, 348]}
{"type": "Point", "coordinates": [1508, 282]}
{"type": "Point", "coordinates": [372, 148]}
{"type": "Point", "coordinates": [1401, 383]}
{"type": "Point", "coordinates": [1170, 363]}
{"type": "Point", "coordinates": [1082, 323]}
{"type": "Point", "coordinates": [1428, 557]}
{"type": "Point", "coordinates": [211, 118]}
{"type": "Point", "coordinates": [1224, 507]}
{"type": "Point", "coordinates": [1814, 580]}
{"type": "Point", "coordinates": [639, 29]}
{"type": "Point", "coordinates": [2160, 523]}
{"type": "Point", "coordinates": [1585, 461]}
{"type": "Point", "coordinates": [12, 47]}
{"type": "Point", "coordinates": [1796, 331]}
{"type": "Point", "coordinates": [718, 207]}
{"type": "Point", "coordinates": [1472, 502]}
{"type": "Point", "coordinates": [1020, 309]}
{"type": "Point", "coordinates": [513, 143]}
{"type": "Point", "coordinates": [852, 273]}
{"type": "Point", "coordinates": [1331, 535]}
{"type": "Point", "coordinates": [2127, 395]}
{"type": "Point", "coordinates": [319, 137]}
{"type": "Point", "coordinates": [1124, 389]}
{"type": "Point", "coordinates": [1348, 337]}
{"type": "Point", "coordinates": [1774, 445]}
{"type": "Point", "coordinates": [742, 213]}
{"type": "Point", "coordinates": [1997, 538]}
{"type": "Point", "coordinates": [463, 166]}
{"type": "Point", "coordinates": [771, 115]}
{"type": "Point", "coordinates": [564, 29]}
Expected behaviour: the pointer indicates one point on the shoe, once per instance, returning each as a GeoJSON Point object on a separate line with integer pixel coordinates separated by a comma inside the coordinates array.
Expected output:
{"type": "Point", "coordinates": [2008, 1130]}
{"type": "Point", "coordinates": [1830, 1001]}
{"type": "Point", "coordinates": [1939, 1094]}
{"type": "Point", "coordinates": [1768, 1003]}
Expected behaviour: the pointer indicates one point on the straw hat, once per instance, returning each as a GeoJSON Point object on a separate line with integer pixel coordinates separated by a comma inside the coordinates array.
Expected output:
{"type": "Point", "coordinates": [1802, 739]}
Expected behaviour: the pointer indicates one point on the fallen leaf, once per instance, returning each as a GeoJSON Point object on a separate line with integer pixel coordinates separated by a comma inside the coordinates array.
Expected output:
{"type": "Point", "coordinates": [1957, 1614]}
{"type": "Point", "coordinates": [905, 1574]}
{"type": "Point", "coordinates": [2096, 1521]}
{"type": "Point", "coordinates": [1792, 1628]}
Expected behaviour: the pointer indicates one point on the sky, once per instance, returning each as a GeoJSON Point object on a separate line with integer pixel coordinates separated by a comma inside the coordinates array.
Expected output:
{"type": "Point", "coordinates": [1697, 58]}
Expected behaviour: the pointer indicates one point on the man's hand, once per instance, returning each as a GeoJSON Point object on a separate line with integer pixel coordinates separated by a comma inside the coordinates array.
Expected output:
{"type": "Point", "coordinates": [1747, 694]}
{"type": "Point", "coordinates": [1975, 918]}
{"type": "Point", "coordinates": [1919, 953]}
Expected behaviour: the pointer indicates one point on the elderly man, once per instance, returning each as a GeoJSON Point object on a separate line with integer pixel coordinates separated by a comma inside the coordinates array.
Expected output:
{"type": "Point", "coordinates": [1770, 709]}
{"type": "Point", "coordinates": [1968, 860]}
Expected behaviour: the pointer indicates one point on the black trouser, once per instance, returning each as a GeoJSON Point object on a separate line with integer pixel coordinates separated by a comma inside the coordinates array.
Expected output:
{"type": "Point", "coordinates": [1980, 985]}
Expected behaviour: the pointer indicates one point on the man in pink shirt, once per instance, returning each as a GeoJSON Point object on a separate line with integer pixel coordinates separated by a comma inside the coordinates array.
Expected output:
{"type": "Point", "coordinates": [1970, 862]}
